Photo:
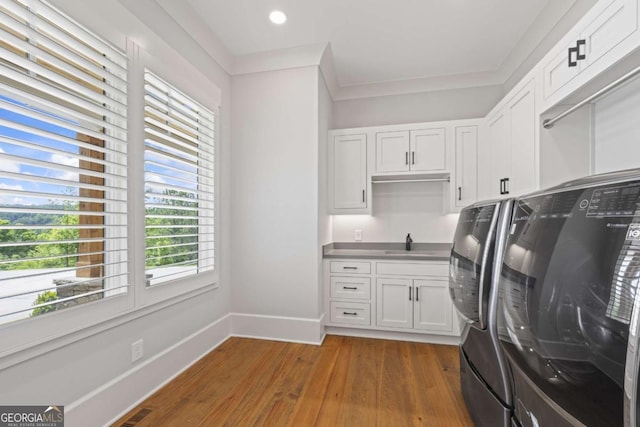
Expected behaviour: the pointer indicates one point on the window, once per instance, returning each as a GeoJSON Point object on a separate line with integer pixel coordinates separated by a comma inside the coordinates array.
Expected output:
{"type": "Point", "coordinates": [179, 183]}
{"type": "Point", "coordinates": [63, 163]}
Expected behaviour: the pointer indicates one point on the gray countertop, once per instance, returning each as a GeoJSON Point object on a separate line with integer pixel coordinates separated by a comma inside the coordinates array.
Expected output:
{"type": "Point", "coordinates": [388, 251]}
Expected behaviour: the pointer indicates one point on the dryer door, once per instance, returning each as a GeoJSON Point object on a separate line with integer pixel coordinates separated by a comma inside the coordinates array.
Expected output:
{"type": "Point", "coordinates": [471, 261]}
{"type": "Point", "coordinates": [569, 276]}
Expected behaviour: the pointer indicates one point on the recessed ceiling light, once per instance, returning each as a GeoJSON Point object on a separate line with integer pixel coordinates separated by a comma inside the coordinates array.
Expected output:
{"type": "Point", "coordinates": [278, 17]}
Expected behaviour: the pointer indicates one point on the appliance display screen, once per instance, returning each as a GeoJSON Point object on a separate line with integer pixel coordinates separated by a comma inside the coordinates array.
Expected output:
{"type": "Point", "coordinates": [568, 281]}
{"type": "Point", "coordinates": [473, 234]}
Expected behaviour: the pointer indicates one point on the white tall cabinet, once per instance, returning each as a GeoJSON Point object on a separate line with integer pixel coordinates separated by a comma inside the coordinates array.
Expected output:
{"type": "Point", "coordinates": [466, 178]}
{"type": "Point", "coordinates": [508, 164]}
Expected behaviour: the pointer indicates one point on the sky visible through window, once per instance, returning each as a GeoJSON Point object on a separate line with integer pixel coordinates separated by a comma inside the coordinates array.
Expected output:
{"type": "Point", "coordinates": [8, 134]}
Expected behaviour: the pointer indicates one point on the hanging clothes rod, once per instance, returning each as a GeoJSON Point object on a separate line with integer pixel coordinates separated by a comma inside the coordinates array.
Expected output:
{"type": "Point", "coordinates": [548, 123]}
{"type": "Point", "coordinates": [388, 181]}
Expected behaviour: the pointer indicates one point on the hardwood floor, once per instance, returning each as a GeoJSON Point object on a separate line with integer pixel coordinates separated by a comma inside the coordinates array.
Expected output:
{"type": "Point", "coordinates": [345, 382]}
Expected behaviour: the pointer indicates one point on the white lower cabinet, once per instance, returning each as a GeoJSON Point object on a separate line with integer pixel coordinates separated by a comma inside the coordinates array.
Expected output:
{"type": "Point", "coordinates": [432, 306]}
{"type": "Point", "coordinates": [395, 303]}
{"type": "Point", "coordinates": [390, 296]}
{"type": "Point", "coordinates": [414, 303]}
{"type": "Point", "coordinates": [351, 313]}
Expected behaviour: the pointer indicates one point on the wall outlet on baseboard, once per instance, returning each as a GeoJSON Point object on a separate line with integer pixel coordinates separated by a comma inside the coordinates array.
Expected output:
{"type": "Point", "coordinates": [358, 235]}
{"type": "Point", "coordinates": [137, 350]}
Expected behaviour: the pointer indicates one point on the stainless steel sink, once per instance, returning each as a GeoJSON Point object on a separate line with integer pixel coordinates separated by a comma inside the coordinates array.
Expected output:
{"type": "Point", "coordinates": [416, 253]}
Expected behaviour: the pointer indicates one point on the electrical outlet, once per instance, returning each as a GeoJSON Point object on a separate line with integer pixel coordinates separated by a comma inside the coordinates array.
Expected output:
{"type": "Point", "coordinates": [137, 351]}
{"type": "Point", "coordinates": [358, 235]}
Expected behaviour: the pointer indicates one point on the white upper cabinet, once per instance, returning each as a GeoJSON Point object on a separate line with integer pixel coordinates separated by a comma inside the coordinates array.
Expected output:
{"type": "Point", "coordinates": [392, 151]}
{"type": "Point", "coordinates": [348, 187]}
{"type": "Point", "coordinates": [428, 150]}
{"type": "Point", "coordinates": [466, 171]}
{"type": "Point", "coordinates": [423, 150]}
{"type": "Point", "coordinates": [608, 32]}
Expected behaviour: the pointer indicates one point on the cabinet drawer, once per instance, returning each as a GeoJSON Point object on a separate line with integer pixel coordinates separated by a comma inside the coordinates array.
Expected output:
{"type": "Point", "coordinates": [351, 267]}
{"type": "Point", "coordinates": [351, 287]}
{"type": "Point", "coordinates": [413, 269]}
{"type": "Point", "coordinates": [352, 313]}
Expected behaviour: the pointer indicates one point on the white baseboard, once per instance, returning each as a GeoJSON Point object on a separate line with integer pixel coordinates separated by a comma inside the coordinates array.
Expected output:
{"type": "Point", "coordinates": [389, 335]}
{"type": "Point", "coordinates": [124, 392]}
{"type": "Point", "coordinates": [290, 329]}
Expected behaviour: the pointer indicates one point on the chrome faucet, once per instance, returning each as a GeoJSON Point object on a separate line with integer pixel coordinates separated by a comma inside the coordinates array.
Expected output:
{"type": "Point", "coordinates": [408, 242]}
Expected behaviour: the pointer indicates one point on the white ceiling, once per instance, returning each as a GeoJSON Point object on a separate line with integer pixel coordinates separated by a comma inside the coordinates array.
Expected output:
{"type": "Point", "coordinates": [376, 41]}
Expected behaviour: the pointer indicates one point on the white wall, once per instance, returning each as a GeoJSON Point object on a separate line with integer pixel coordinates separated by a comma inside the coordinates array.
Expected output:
{"type": "Point", "coordinates": [617, 130]}
{"type": "Point", "coordinates": [565, 149]}
{"type": "Point", "coordinates": [417, 107]}
{"type": "Point", "coordinates": [398, 209]}
{"type": "Point", "coordinates": [68, 373]}
{"type": "Point", "coordinates": [274, 197]}
{"type": "Point", "coordinates": [325, 116]}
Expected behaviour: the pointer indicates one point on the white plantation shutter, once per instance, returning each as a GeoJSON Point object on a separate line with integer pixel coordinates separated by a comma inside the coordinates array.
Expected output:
{"type": "Point", "coordinates": [63, 162]}
{"type": "Point", "coordinates": [179, 183]}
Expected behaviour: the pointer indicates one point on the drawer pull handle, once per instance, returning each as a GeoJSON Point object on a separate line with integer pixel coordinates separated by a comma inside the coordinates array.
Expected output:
{"type": "Point", "coordinates": [349, 268]}
{"type": "Point", "coordinates": [347, 313]}
{"type": "Point", "coordinates": [351, 288]}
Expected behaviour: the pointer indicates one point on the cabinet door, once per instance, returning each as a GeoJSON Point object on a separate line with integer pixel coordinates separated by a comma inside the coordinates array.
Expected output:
{"type": "Point", "coordinates": [498, 144]}
{"type": "Point", "coordinates": [610, 27]}
{"type": "Point", "coordinates": [602, 32]}
{"type": "Point", "coordinates": [349, 171]}
{"type": "Point", "coordinates": [428, 150]}
{"type": "Point", "coordinates": [556, 72]}
{"type": "Point", "coordinates": [466, 146]}
{"type": "Point", "coordinates": [522, 142]}
{"type": "Point", "coordinates": [432, 309]}
{"type": "Point", "coordinates": [392, 151]}
{"type": "Point", "coordinates": [394, 303]}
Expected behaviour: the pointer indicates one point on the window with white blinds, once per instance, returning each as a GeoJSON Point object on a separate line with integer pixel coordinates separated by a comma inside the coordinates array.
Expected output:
{"type": "Point", "coordinates": [63, 163]}
{"type": "Point", "coordinates": [179, 183]}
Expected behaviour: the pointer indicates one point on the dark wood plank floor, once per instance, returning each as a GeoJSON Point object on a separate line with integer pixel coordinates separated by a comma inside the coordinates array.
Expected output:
{"type": "Point", "coordinates": [345, 382]}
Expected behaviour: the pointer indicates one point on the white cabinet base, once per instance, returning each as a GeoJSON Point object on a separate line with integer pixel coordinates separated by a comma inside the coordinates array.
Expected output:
{"type": "Point", "coordinates": [390, 299]}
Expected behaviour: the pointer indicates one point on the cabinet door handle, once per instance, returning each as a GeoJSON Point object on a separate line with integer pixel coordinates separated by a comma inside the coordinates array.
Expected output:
{"type": "Point", "coordinates": [349, 268]}
{"type": "Point", "coordinates": [502, 186]}
{"type": "Point", "coordinates": [363, 200]}
{"type": "Point", "coordinates": [406, 157]}
{"type": "Point", "coordinates": [351, 288]}
{"type": "Point", "coordinates": [506, 186]}
{"type": "Point", "coordinates": [579, 51]}
{"type": "Point", "coordinates": [413, 157]}
{"type": "Point", "coordinates": [347, 313]}
{"type": "Point", "coordinates": [581, 45]}
{"type": "Point", "coordinates": [572, 62]}
{"type": "Point", "coordinates": [459, 193]}
{"type": "Point", "coordinates": [410, 289]}
{"type": "Point", "coordinates": [417, 294]}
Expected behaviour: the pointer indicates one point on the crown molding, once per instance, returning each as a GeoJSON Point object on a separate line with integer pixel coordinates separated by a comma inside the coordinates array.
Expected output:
{"type": "Point", "coordinates": [192, 24]}
{"type": "Point", "coordinates": [329, 72]}
{"type": "Point", "coordinates": [281, 59]}
{"type": "Point", "coordinates": [425, 84]}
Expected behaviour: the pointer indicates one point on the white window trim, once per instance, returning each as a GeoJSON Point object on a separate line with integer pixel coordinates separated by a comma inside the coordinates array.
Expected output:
{"type": "Point", "coordinates": [32, 337]}
{"type": "Point", "coordinates": [187, 78]}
